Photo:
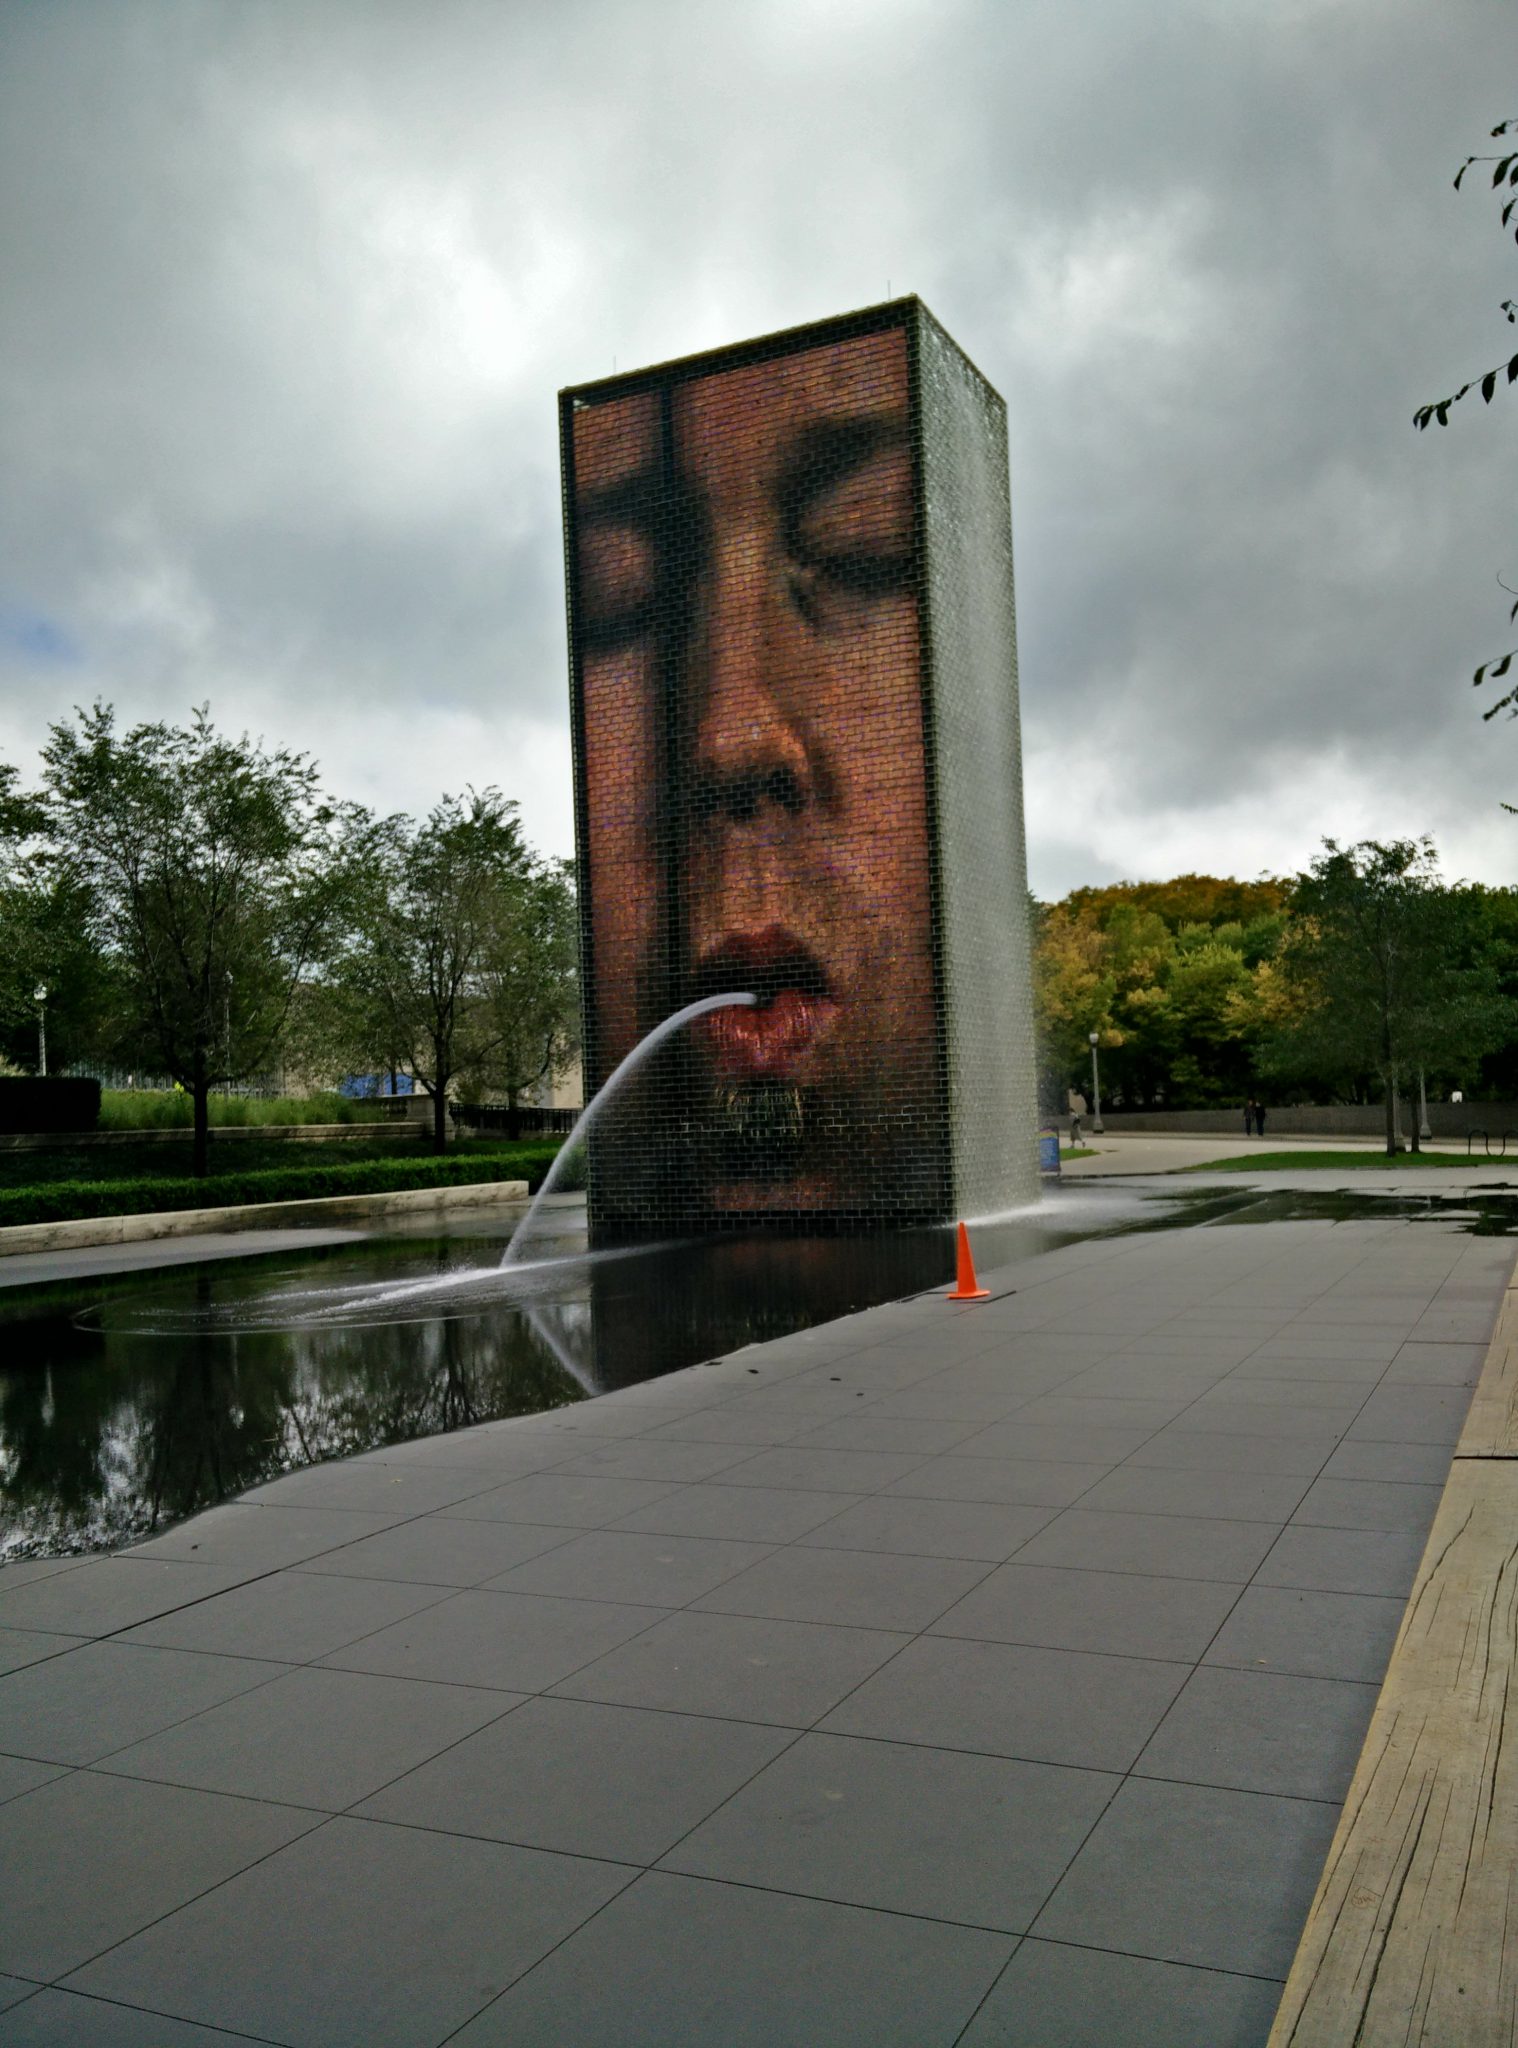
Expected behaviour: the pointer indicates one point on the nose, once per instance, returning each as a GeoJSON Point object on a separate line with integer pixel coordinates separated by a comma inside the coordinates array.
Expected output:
{"type": "Point", "coordinates": [751, 760]}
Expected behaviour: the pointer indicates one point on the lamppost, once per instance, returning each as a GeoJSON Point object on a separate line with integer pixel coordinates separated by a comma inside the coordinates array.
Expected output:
{"type": "Point", "coordinates": [1096, 1090]}
{"type": "Point", "coordinates": [39, 997]}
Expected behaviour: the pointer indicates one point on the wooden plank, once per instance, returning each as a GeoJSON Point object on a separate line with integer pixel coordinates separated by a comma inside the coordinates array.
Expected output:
{"type": "Point", "coordinates": [1491, 1426]}
{"type": "Point", "coordinates": [1412, 1938]}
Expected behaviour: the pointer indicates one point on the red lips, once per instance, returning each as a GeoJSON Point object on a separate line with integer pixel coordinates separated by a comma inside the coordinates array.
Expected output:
{"type": "Point", "coordinates": [795, 1004]}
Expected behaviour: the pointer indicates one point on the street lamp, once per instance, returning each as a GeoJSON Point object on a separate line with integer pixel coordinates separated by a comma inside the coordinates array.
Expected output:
{"type": "Point", "coordinates": [39, 997]}
{"type": "Point", "coordinates": [1096, 1090]}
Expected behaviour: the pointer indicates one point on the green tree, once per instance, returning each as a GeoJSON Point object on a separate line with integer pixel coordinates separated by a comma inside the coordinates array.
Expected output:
{"type": "Point", "coordinates": [462, 968]}
{"type": "Point", "coordinates": [1373, 956]}
{"type": "Point", "coordinates": [214, 876]}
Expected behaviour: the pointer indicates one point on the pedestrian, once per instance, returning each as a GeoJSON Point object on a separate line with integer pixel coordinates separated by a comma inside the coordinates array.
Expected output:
{"type": "Point", "coordinates": [1259, 1118]}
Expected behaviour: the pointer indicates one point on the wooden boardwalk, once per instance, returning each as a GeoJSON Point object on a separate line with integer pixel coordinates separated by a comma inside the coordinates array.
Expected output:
{"type": "Point", "coordinates": [1413, 1935]}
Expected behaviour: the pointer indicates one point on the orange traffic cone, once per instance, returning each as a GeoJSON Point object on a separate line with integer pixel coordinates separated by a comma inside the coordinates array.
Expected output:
{"type": "Point", "coordinates": [966, 1287]}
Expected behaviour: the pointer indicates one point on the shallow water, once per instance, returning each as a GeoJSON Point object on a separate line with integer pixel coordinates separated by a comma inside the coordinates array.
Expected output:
{"type": "Point", "coordinates": [127, 1404]}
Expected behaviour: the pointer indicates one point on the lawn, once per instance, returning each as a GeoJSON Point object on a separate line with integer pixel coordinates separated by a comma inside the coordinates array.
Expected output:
{"type": "Point", "coordinates": [1264, 1162]}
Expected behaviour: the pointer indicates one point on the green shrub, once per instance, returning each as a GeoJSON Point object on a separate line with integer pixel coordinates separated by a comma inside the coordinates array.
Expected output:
{"type": "Point", "coordinates": [63, 1201]}
{"type": "Point", "coordinates": [169, 1109]}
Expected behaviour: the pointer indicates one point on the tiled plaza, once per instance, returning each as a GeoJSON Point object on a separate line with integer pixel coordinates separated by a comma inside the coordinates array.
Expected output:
{"type": "Point", "coordinates": [982, 1675]}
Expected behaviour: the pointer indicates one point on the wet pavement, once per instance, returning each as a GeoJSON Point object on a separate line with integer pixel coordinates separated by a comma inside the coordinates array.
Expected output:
{"type": "Point", "coordinates": [986, 1675]}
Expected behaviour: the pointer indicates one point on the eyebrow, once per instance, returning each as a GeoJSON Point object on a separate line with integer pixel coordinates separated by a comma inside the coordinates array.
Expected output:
{"type": "Point", "coordinates": [827, 452]}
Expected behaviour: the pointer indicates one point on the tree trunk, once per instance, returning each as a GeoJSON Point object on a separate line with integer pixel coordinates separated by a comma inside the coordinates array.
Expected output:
{"type": "Point", "coordinates": [200, 1095]}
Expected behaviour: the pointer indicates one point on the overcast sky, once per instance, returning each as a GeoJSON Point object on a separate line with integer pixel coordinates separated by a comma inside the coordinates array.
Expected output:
{"type": "Point", "coordinates": [286, 293]}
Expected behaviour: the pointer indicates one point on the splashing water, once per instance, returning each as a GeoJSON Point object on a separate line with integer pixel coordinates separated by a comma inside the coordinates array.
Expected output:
{"type": "Point", "coordinates": [609, 1088]}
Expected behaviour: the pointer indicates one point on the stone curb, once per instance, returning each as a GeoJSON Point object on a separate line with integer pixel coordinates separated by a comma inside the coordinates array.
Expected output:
{"type": "Point", "coordinates": [95, 1230]}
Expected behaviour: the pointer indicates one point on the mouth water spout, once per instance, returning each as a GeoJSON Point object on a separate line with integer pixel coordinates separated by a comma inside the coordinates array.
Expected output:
{"type": "Point", "coordinates": [610, 1088]}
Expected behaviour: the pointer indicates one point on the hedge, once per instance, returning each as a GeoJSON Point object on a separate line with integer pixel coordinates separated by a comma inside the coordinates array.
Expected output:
{"type": "Point", "coordinates": [63, 1201]}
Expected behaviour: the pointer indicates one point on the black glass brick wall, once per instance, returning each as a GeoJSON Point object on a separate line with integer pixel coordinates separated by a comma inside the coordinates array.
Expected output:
{"type": "Point", "coordinates": [795, 716]}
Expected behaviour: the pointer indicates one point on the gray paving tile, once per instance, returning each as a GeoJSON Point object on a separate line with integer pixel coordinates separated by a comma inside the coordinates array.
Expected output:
{"type": "Point", "coordinates": [110, 1593]}
{"type": "Point", "coordinates": [723, 1426]}
{"type": "Point", "coordinates": [1211, 1450]}
{"type": "Point", "coordinates": [976, 1839]}
{"type": "Point", "coordinates": [1320, 1635]}
{"type": "Point", "coordinates": [930, 1528]}
{"type": "Point", "coordinates": [788, 1672]}
{"type": "Point", "coordinates": [13, 1990]}
{"type": "Point", "coordinates": [1344, 1560]}
{"type": "Point", "coordinates": [1227, 1877]}
{"type": "Point", "coordinates": [551, 1498]}
{"type": "Point", "coordinates": [1006, 1699]}
{"type": "Point", "coordinates": [1067, 1410]}
{"type": "Point", "coordinates": [1411, 1463]}
{"type": "Point", "coordinates": [314, 1738]}
{"type": "Point", "coordinates": [436, 1550]}
{"type": "Point", "coordinates": [588, 1779]}
{"type": "Point", "coordinates": [622, 1564]}
{"type": "Point", "coordinates": [1013, 1482]}
{"type": "Point", "coordinates": [1053, 1996]}
{"type": "Point", "coordinates": [64, 2019]}
{"type": "Point", "coordinates": [289, 1617]}
{"type": "Point", "coordinates": [1119, 1613]}
{"type": "Point", "coordinates": [1369, 1504]}
{"type": "Point", "coordinates": [823, 1470]}
{"type": "Point", "coordinates": [77, 1708]}
{"type": "Point", "coordinates": [20, 1774]}
{"type": "Point", "coordinates": [1070, 1443]}
{"type": "Point", "coordinates": [1260, 1731]}
{"type": "Point", "coordinates": [1454, 1365]}
{"type": "Point", "coordinates": [642, 1457]}
{"type": "Point", "coordinates": [519, 1642]}
{"type": "Point", "coordinates": [1339, 1402]}
{"type": "Point", "coordinates": [750, 1514]}
{"type": "Point", "coordinates": [22, 1646]}
{"type": "Point", "coordinates": [859, 1588]}
{"type": "Point", "coordinates": [1161, 1546]}
{"type": "Point", "coordinates": [1176, 1490]}
{"type": "Point", "coordinates": [871, 1432]}
{"type": "Point", "coordinates": [1416, 1415]}
{"type": "Point", "coordinates": [303, 1948]}
{"type": "Point", "coordinates": [395, 1491]}
{"type": "Point", "coordinates": [20, 1571]}
{"type": "Point", "coordinates": [148, 1849]}
{"type": "Point", "coordinates": [1268, 1419]}
{"type": "Point", "coordinates": [681, 1963]}
{"type": "Point", "coordinates": [264, 1537]}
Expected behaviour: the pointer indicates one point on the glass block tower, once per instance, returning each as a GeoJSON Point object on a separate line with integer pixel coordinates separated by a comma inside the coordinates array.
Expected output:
{"type": "Point", "coordinates": [798, 777]}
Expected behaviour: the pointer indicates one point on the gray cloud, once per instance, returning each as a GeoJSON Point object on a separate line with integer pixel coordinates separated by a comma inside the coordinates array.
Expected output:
{"type": "Point", "coordinates": [289, 292]}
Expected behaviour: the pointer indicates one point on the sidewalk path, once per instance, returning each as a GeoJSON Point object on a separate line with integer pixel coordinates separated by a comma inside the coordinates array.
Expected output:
{"type": "Point", "coordinates": [987, 1675]}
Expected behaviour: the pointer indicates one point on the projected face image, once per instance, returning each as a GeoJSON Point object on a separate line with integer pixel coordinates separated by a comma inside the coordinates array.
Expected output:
{"type": "Point", "coordinates": [756, 816]}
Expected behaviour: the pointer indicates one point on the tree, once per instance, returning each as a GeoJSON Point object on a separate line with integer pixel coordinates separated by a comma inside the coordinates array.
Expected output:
{"type": "Point", "coordinates": [1372, 955]}
{"type": "Point", "coordinates": [462, 966]}
{"type": "Point", "coordinates": [213, 875]}
{"type": "Point", "coordinates": [1504, 175]}
{"type": "Point", "coordinates": [529, 978]}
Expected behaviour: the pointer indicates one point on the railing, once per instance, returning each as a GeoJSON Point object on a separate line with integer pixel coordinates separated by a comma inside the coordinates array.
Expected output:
{"type": "Point", "coordinates": [522, 1122]}
{"type": "Point", "coordinates": [1485, 1137]}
